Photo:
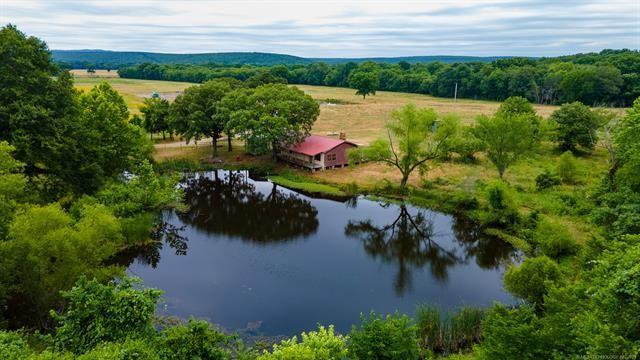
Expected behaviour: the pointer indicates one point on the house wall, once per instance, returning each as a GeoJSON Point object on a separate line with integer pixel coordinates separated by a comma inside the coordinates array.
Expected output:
{"type": "Point", "coordinates": [297, 158]}
{"type": "Point", "coordinates": [340, 152]}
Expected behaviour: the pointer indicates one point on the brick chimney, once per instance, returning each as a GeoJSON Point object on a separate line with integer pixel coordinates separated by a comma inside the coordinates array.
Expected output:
{"type": "Point", "coordinates": [343, 135]}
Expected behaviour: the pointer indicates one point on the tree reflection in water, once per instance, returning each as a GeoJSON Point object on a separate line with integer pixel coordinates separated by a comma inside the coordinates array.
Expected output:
{"type": "Point", "coordinates": [409, 242]}
{"type": "Point", "coordinates": [228, 203]}
{"type": "Point", "coordinates": [149, 254]}
{"type": "Point", "coordinates": [489, 252]}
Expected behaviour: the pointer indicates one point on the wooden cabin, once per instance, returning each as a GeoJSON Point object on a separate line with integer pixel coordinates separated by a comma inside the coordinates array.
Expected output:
{"type": "Point", "coordinates": [318, 152]}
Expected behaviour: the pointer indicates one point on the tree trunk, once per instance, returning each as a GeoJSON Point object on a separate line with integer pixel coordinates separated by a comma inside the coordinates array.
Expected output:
{"type": "Point", "coordinates": [613, 169]}
{"type": "Point", "coordinates": [229, 143]}
{"type": "Point", "coordinates": [164, 136]}
{"type": "Point", "coordinates": [403, 182]}
{"type": "Point", "coordinates": [214, 145]}
{"type": "Point", "coordinates": [171, 135]}
{"type": "Point", "coordinates": [274, 151]}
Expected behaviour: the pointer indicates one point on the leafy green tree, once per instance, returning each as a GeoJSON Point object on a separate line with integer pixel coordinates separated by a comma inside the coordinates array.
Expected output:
{"type": "Point", "coordinates": [110, 143]}
{"type": "Point", "coordinates": [156, 115]}
{"type": "Point", "coordinates": [506, 139]}
{"type": "Point", "coordinates": [576, 126]}
{"type": "Point", "coordinates": [515, 333]}
{"type": "Point", "coordinates": [47, 251]}
{"type": "Point", "coordinates": [195, 340]}
{"type": "Point", "coordinates": [627, 142]}
{"type": "Point", "coordinates": [412, 141]}
{"type": "Point", "coordinates": [365, 82]}
{"type": "Point", "coordinates": [531, 279]}
{"type": "Point", "coordinates": [323, 344]}
{"type": "Point", "coordinates": [264, 78]}
{"type": "Point", "coordinates": [271, 115]}
{"type": "Point", "coordinates": [514, 106]}
{"type": "Point", "coordinates": [196, 113]}
{"type": "Point", "coordinates": [393, 337]}
{"type": "Point", "coordinates": [37, 110]}
{"type": "Point", "coordinates": [98, 313]}
{"type": "Point", "coordinates": [12, 186]}
{"type": "Point", "coordinates": [590, 84]}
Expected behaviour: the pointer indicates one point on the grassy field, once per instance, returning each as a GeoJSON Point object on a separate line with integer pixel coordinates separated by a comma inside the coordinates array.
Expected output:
{"type": "Point", "coordinates": [363, 119]}
{"type": "Point", "coordinates": [133, 91]}
{"type": "Point", "coordinates": [78, 73]}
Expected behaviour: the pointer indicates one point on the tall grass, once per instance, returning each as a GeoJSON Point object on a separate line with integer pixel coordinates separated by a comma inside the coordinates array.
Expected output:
{"type": "Point", "coordinates": [448, 332]}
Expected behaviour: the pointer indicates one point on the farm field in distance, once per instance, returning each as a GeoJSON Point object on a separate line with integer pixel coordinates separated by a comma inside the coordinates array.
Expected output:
{"type": "Point", "coordinates": [340, 108]}
{"type": "Point", "coordinates": [133, 91]}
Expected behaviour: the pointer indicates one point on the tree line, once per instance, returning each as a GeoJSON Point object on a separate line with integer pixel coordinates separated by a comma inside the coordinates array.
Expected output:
{"type": "Point", "coordinates": [611, 77]}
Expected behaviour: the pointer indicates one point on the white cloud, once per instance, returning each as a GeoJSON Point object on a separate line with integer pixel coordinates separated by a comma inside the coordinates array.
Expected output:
{"type": "Point", "coordinates": [333, 28]}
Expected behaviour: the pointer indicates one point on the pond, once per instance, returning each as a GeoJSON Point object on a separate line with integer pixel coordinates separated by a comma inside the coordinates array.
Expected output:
{"type": "Point", "coordinates": [253, 256]}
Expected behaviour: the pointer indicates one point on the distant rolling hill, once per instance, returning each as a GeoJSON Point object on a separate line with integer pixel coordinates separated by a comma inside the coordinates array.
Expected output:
{"type": "Point", "coordinates": [414, 59]}
{"type": "Point", "coordinates": [115, 59]}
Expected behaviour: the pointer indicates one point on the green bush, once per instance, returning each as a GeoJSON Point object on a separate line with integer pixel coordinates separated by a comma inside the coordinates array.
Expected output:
{"type": "Point", "coordinates": [515, 333]}
{"type": "Point", "coordinates": [567, 168]}
{"type": "Point", "coordinates": [502, 207]}
{"type": "Point", "coordinates": [532, 279]}
{"type": "Point", "coordinates": [576, 126]}
{"type": "Point", "coordinates": [393, 337]}
{"type": "Point", "coordinates": [146, 191]}
{"type": "Point", "coordinates": [466, 145]}
{"type": "Point", "coordinates": [13, 346]}
{"type": "Point", "coordinates": [554, 239]}
{"type": "Point", "coordinates": [323, 344]}
{"type": "Point", "coordinates": [546, 180]}
{"type": "Point", "coordinates": [195, 340]}
{"type": "Point", "coordinates": [99, 313]}
{"type": "Point", "coordinates": [138, 349]}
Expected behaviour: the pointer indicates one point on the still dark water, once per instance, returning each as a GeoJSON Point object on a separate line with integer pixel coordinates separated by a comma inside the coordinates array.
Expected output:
{"type": "Point", "coordinates": [252, 255]}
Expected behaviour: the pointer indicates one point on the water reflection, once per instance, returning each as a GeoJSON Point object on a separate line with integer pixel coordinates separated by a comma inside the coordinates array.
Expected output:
{"type": "Point", "coordinates": [163, 233]}
{"type": "Point", "coordinates": [262, 254]}
{"type": "Point", "coordinates": [227, 203]}
{"type": "Point", "coordinates": [407, 241]}
{"type": "Point", "coordinates": [488, 252]}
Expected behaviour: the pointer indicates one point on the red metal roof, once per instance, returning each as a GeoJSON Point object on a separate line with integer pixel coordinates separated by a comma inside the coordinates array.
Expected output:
{"type": "Point", "coordinates": [314, 145]}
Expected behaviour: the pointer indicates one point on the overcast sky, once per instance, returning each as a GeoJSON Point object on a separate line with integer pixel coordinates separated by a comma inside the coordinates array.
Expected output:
{"type": "Point", "coordinates": [333, 28]}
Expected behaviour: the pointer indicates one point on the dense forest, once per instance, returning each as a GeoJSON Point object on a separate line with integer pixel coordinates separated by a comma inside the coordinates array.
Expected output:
{"type": "Point", "coordinates": [103, 59]}
{"type": "Point", "coordinates": [611, 77]}
{"type": "Point", "coordinates": [78, 186]}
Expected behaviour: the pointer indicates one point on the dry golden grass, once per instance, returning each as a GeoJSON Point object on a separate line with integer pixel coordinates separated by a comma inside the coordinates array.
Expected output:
{"type": "Point", "coordinates": [133, 91]}
{"type": "Point", "coordinates": [97, 74]}
{"type": "Point", "coordinates": [363, 120]}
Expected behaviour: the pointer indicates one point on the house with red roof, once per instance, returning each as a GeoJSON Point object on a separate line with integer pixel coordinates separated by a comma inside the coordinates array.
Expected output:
{"type": "Point", "coordinates": [318, 152]}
